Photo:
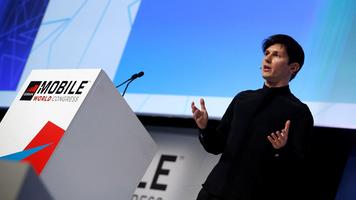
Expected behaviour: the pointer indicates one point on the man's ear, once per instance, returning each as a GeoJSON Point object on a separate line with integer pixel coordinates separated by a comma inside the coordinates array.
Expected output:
{"type": "Point", "coordinates": [294, 67]}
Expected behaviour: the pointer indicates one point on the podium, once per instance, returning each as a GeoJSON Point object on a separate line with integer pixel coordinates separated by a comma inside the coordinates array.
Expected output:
{"type": "Point", "coordinates": [78, 133]}
{"type": "Point", "coordinates": [19, 181]}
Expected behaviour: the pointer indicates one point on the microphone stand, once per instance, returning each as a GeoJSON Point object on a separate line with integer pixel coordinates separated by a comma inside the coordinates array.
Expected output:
{"type": "Point", "coordinates": [127, 85]}
{"type": "Point", "coordinates": [133, 77]}
{"type": "Point", "coordinates": [130, 79]}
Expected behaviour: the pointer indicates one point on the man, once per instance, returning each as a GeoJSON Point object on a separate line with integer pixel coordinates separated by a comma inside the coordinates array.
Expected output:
{"type": "Point", "coordinates": [263, 135]}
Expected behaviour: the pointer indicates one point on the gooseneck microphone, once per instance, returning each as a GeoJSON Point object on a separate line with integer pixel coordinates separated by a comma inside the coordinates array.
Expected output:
{"type": "Point", "coordinates": [138, 75]}
{"type": "Point", "coordinates": [128, 81]}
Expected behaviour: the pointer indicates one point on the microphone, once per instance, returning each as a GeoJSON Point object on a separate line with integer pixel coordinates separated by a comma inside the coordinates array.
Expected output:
{"type": "Point", "coordinates": [133, 77]}
{"type": "Point", "coordinates": [138, 75]}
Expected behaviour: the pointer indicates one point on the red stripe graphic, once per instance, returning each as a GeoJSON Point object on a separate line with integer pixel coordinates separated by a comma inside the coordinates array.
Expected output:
{"type": "Point", "coordinates": [33, 89]}
{"type": "Point", "coordinates": [50, 134]}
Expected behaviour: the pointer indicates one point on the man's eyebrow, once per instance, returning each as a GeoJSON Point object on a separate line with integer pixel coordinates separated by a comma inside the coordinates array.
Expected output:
{"type": "Point", "coordinates": [272, 51]}
{"type": "Point", "coordinates": [275, 50]}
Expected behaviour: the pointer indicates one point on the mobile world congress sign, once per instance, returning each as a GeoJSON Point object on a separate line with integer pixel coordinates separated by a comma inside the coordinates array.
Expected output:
{"type": "Point", "coordinates": [78, 133]}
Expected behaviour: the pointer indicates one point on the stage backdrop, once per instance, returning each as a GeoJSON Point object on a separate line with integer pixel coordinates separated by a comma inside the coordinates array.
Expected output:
{"type": "Point", "coordinates": [187, 49]}
{"type": "Point", "coordinates": [179, 168]}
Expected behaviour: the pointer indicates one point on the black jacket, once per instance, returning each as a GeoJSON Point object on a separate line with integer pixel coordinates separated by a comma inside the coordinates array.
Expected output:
{"type": "Point", "coordinates": [249, 167]}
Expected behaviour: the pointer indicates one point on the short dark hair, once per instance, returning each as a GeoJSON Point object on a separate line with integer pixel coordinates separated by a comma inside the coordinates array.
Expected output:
{"type": "Point", "coordinates": [294, 50]}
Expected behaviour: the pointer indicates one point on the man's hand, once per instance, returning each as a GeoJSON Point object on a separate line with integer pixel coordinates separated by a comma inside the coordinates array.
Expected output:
{"type": "Point", "coordinates": [200, 116]}
{"type": "Point", "coordinates": [279, 138]}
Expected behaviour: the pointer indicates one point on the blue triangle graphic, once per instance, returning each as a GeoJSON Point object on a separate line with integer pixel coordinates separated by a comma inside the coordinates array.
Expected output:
{"type": "Point", "coordinates": [23, 154]}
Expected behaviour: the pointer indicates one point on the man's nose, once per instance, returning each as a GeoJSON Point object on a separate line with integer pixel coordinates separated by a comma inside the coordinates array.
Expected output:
{"type": "Point", "coordinates": [268, 58]}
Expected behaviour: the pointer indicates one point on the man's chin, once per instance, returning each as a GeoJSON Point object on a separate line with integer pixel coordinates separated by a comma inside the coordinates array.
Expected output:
{"type": "Point", "coordinates": [266, 77]}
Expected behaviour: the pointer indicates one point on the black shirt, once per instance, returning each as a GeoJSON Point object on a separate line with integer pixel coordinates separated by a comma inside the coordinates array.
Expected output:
{"type": "Point", "coordinates": [249, 167]}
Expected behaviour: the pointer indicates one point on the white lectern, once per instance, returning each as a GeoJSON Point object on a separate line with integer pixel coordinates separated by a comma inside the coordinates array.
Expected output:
{"type": "Point", "coordinates": [19, 181]}
{"type": "Point", "coordinates": [79, 134]}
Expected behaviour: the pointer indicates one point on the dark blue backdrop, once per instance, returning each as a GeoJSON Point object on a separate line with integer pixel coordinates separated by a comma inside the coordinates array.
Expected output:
{"type": "Point", "coordinates": [19, 23]}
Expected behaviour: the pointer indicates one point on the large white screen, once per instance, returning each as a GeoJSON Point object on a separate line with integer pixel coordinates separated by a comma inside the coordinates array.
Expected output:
{"type": "Point", "coordinates": [193, 49]}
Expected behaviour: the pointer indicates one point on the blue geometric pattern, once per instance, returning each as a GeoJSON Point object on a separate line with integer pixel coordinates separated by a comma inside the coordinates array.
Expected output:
{"type": "Point", "coordinates": [18, 156]}
{"type": "Point", "coordinates": [19, 23]}
{"type": "Point", "coordinates": [129, 10]}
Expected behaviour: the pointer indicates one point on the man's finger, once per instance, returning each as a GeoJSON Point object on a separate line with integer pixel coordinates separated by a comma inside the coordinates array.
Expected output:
{"type": "Point", "coordinates": [270, 139]}
{"type": "Point", "coordinates": [194, 108]}
{"type": "Point", "coordinates": [196, 114]}
{"type": "Point", "coordinates": [280, 134]}
{"type": "Point", "coordinates": [202, 104]}
{"type": "Point", "coordinates": [193, 105]}
{"type": "Point", "coordinates": [274, 136]}
{"type": "Point", "coordinates": [286, 127]}
{"type": "Point", "coordinates": [282, 137]}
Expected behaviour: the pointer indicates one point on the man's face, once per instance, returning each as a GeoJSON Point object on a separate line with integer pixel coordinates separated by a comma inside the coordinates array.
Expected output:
{"type": "Point", "coordinates": [275, 68]}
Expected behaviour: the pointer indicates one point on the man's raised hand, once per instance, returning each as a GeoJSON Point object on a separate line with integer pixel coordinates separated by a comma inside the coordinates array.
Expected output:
{"type": "Point", "coordinates": [279, 138]}
{"type": "Point", "coordinates": [200, 116]}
